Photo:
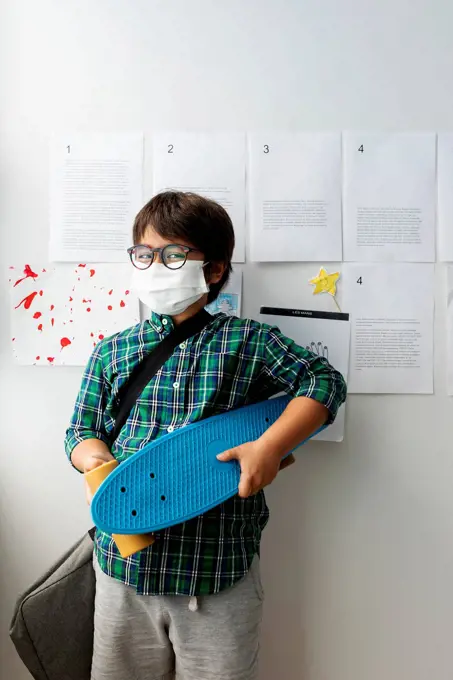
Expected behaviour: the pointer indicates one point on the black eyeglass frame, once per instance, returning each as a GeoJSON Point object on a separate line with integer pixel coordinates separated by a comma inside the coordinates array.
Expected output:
{"type": "Point", "coordinates": [161, 251]}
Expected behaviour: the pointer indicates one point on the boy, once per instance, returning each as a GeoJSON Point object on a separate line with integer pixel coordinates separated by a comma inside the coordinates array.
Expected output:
{"type": "Point", "coordinates": [191, 604]}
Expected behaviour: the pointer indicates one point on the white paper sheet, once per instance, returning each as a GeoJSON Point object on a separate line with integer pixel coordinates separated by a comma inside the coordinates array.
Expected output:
{"type": "Point", "coordinates": [96, 189]}
{"type": "Point", "coordinates": [59, 313]}
{"type": "Point", "coordinates": [392, 315]}
{"type": "Point", "coordinates": [450, 330]}
{"type": "Point", "coordinates": [229, 300]}
{"type": "Point", "coordinates": [389, 197]}
{"type": "Point", "coordinates": [212, 165]}
{"type": "Point", "coordinates": [445, 196]}
{"type": "Point", "coordinates": [295, 197]}
{"type": "Point", "coordinates": [323, 333]}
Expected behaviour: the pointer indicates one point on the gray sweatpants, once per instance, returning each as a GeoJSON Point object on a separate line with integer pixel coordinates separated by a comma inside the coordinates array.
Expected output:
{"type": "Point", "coordinates": [140, 637]}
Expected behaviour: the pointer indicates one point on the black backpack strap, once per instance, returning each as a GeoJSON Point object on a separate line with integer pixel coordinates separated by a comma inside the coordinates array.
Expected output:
{"type": "Point", "coordinates": [147, 369]}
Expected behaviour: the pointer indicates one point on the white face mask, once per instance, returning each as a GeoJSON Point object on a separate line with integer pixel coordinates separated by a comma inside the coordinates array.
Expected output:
{"type": "Point", "coordinates": [170, 291]}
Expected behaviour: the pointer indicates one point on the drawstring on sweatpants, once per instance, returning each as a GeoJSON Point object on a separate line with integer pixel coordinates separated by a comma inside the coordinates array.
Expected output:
{"type": "Point", "coordinates": [193, 604]}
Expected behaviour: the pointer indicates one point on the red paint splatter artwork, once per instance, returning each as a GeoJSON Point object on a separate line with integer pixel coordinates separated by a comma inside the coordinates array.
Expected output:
{"type": "Point", "coordinates": [28, 274]}
{"type": "Point", "coordinates": [26, 302]}
{"type": "Point", "coordinates": [50, 319]}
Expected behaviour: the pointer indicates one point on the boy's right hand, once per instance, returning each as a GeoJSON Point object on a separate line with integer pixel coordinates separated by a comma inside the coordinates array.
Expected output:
{"type": "Point", "coordinates": [95, 460]}
{"type": "Point", "coordinates": [88, 455]}
{"type": "Point", "coordinates": [91, 463]}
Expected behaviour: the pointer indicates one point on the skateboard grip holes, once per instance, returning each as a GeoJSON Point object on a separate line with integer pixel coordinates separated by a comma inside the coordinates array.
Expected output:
{"type": "Point", "coordinates": [152, 475]}
{"type": "Point", "coordinates": [163, 498]}
{"type": "Point", "coordinates": [134, 513]}
{"type": "Point", "coordinates": [267, 420]}
{"type": "Point", "coordinates": [123, 489]}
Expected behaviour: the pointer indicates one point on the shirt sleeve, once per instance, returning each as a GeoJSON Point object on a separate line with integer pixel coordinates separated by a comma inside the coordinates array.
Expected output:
{"type": "Point", "coordinates": [87, 421]}
{"type": "Point", "coordinates": [301, 373]}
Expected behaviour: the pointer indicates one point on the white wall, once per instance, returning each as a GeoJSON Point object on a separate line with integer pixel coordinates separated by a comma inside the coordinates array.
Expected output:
{"type": "Point", "coordinates": [358, 560]}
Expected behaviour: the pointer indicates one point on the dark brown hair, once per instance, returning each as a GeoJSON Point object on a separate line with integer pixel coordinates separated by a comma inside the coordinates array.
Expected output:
{"type": "Point", "coordinates": [198, 221]}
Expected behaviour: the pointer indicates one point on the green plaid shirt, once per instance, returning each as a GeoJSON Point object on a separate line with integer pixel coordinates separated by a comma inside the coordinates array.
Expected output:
{"type": "Point", "coordinates": [230, 363]}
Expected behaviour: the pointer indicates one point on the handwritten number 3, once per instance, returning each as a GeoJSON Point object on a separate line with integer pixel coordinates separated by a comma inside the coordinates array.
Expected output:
{"type": "Point", "coordinates": [266, 148]}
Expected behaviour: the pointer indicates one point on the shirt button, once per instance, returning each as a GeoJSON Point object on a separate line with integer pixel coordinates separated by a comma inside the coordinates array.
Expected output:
{"type": "Point", "coordinates": [159, 329]}
{"type": "Point", "coordinates": [164, 321]}
{"type": "Point", "coordinates": [183, 345]}
{"type": "Point", "coordinates": [170, 428]}
{"type": "Point", "coordinates": [176, 385]}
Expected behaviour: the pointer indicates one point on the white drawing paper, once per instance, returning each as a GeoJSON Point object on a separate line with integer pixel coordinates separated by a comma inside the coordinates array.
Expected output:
{"type": "Point", "coordinates": [96, 189]}
{"type": "Point", "coordinates": [229, 300]}
{"type": "Point", "coordinates": [392, 315]}
{"type": "Point", "coordinates": [295, 197]}
{"type": "Point", "coordinates": [445, 196]}
{"type": "Point", "coordinates": [325, 334]}
{"type": "Point", "coordinates": [212, 165]}
{"type": "Point", "coordinates": [389, 197]}
{"type": "Point", "coordinates": [60, 312]}
{"type": "Point", "coordinates": [450, 330]}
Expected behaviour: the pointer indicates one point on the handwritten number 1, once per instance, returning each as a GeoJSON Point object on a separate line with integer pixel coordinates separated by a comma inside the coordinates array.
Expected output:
{"type": "Point", "coordinates": [69, 148]}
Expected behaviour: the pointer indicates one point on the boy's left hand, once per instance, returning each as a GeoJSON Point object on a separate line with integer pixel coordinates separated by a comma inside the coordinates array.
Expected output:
{"type": "Point", "coordinates": [259, 466]}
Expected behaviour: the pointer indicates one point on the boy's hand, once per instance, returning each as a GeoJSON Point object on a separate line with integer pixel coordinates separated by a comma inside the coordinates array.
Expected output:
{"type": "Point", "coordinates": [92, 462]}
{"type": "Point", "coordinates": [259, 466]}
{"type": "Point", "coordinates": [88, 455]}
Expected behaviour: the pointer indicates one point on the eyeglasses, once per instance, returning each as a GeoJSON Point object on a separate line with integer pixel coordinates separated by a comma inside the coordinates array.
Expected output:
{"type": "Point", "coordinates": [173, 256]}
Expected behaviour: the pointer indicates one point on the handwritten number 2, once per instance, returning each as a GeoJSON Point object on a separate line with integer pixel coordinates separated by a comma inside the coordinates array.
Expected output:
{"type": "Point", "coordinates": [266, 148]}
{"type": "Point", "coordinates": [170, 148]}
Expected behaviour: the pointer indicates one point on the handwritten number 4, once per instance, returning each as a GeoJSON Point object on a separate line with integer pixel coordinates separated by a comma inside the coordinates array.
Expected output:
{"type": "Point", "coordinates": [359, 280]}
{"type": "Point", "coordinates": [360, 148]}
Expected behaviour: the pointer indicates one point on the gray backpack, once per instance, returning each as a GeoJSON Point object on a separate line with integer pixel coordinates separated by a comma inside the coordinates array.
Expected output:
{"type": "Point", "coordinates": [52, 626]}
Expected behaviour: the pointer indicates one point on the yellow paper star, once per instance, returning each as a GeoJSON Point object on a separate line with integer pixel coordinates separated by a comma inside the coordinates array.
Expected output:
{"type": "Point", "coordinates": [325, 283]}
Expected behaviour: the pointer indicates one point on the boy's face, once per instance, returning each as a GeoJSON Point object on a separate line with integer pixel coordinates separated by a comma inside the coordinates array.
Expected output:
{"type": "Point", "coordinates": [151, 238]}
